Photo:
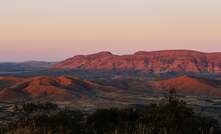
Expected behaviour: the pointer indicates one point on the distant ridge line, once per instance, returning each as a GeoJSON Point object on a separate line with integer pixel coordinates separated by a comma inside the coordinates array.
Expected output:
{"type": "Point", "coordinates": [147, 61]}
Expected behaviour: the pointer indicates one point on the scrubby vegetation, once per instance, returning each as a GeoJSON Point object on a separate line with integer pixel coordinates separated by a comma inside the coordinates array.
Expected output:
{"type": "Point", "coordinates": [171, 117]}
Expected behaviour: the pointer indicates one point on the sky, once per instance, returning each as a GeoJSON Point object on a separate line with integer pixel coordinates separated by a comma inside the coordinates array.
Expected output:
{"type": "Point", "coordinates": [53, 30]}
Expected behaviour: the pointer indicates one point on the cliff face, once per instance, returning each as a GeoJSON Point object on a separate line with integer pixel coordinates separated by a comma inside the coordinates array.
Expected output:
{"type": "Point", "coordinates": [156, 61]}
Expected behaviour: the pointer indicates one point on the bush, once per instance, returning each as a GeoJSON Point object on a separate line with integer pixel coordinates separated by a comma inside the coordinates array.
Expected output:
{"type": "Point", "coordinates": [172, 117]}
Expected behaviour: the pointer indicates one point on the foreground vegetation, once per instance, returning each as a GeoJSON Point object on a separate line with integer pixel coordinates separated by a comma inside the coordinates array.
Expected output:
{"type": "Point", "coordinates": [171, 117]}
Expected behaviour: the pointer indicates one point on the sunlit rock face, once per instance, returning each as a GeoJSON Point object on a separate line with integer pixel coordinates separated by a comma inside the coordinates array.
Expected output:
{"type": "Point", "coordinates": [156, 61]}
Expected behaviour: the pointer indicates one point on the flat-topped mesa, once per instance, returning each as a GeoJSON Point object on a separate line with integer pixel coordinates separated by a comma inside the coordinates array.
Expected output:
{"type": "Point", "coordinates": [156, 61]}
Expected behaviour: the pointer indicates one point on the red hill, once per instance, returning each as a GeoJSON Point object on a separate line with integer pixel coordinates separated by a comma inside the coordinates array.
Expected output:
{"type": "Point", "coordinates": [55, 88]}
{"type": "Point", "coordinates": [194, 86]}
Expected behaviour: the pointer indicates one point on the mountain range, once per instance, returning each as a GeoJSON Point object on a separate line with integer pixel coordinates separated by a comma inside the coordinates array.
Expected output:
{"type": "Point", "coordinates": [24, 66]}
{"type": "Point", "coordinates": [104, 79]}
{"type": "Point", "coordinates": [156, 62]}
